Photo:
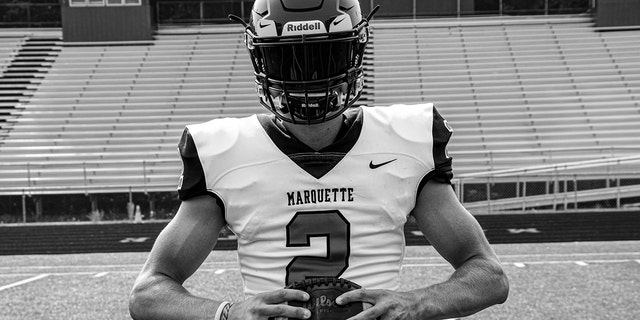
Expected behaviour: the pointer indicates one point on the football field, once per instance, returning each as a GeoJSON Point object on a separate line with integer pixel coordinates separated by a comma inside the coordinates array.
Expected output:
{"type": "Point", "coordinates": [573, 280]}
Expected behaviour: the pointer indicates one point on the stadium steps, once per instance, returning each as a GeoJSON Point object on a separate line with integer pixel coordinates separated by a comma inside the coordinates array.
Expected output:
{"type": "Point", "coordinates": [28, 63]}
{"type": "Point", "coordinates": [66, 238]}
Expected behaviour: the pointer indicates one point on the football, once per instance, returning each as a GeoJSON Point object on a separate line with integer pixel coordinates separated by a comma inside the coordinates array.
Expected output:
{"type": "Point", "coordinates": [323, 293]}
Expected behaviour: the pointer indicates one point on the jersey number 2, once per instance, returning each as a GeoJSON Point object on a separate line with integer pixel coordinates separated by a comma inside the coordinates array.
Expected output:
{"type": "Point", "coordinates": [331, 225]}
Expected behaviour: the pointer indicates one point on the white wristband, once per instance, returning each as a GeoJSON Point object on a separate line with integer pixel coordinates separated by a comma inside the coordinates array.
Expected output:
{"type": "Point", "coordinates": [223, 311]}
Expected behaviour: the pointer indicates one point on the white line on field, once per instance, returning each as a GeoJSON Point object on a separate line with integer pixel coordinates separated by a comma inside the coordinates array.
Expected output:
{"type": "Point", "coordinates": [136, 266]}
{"type": "Point", "coordinates": [503, 256]}
{"type": "Point", "coordinates": [69, 273]}
{"type": "Point", "coordinates": [635, 253]}
{"type": "Point", "coordinates": [580, 263]}
{"type": "Point", "coordinates": [101, 274]}
{"type": "Point", "coordinates": [218, 271]}
{"type": "Point", "coordinates": [21, 282]}
{"type": "Point", "coordinates": [609, 261]}
{"type": "Point", "coordinates": [519, 264]}
{"type": "Point", "coordinates": [79, 266]}
{"type": "Point", "coordinates": [418, 265]}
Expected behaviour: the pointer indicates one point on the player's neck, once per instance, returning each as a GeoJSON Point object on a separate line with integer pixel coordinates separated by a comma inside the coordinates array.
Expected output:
{"type": "Point", "coordinates": [316, 136]}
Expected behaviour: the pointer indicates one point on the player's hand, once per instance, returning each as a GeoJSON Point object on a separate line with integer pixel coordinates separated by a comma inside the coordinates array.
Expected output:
{"type": "Point", "coordinates": [270, 305]}
{"type": "Point", "coordinates": [386, 304]}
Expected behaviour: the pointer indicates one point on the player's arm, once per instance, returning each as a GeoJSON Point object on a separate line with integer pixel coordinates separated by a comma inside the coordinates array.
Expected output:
{"type": "Point", "coordinates": [477, 282]}
{"type": "Point", "coordinates": [178, 251]}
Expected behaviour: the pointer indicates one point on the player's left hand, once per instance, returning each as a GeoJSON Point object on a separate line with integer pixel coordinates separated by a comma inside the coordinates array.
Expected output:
{"type": "Point", "coordinates": [386, 304]}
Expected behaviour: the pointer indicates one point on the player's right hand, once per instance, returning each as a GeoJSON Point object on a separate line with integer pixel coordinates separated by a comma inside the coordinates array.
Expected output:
{"type": "Point", "coordinates": [270, 304]}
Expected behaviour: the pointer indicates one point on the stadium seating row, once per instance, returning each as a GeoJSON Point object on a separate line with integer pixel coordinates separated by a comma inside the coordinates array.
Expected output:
{"type": "Point", "coordinates": [508, 88]}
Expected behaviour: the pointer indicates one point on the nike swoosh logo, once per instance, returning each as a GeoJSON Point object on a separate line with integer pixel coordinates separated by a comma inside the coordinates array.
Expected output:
{"type": "Point", "coordinates": [263, 25]}
{"type": "Point", "coordinates": [336, 22]}
{"type": "Point", "coordinates": [378, 165]}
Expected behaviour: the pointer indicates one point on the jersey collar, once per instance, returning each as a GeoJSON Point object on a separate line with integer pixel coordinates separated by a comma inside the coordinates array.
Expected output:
{"type": "Point", "coordinates": [316, 163]}
{"type": "Point", "coordinates": [347, 137]}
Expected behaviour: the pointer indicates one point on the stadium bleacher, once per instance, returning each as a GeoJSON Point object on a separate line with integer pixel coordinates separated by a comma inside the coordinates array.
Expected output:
{"type": "Point", "coordinates": [535, 84]}
{"type": "Point", "coordinates": [519, 91]}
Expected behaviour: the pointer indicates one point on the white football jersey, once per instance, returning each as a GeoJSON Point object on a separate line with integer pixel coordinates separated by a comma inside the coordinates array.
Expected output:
{"type": "Point", "coordinates": [299, 213]}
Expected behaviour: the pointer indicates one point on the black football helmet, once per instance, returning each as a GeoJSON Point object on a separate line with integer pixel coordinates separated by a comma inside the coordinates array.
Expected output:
{"type": "Point", "coordinates": [307, 56]}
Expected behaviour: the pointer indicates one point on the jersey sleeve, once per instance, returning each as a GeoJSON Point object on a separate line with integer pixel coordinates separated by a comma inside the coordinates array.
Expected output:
{"type": "Point", "coordinates": [442, 132]}
{"type": "Point", "coordinates": [192, 180]}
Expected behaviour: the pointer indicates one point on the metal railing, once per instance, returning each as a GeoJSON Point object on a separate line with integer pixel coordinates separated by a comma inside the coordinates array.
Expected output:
{"type": "Point", "coordinates": [89, 177]}
{"type": "Point", "coordinates": [583, 185]}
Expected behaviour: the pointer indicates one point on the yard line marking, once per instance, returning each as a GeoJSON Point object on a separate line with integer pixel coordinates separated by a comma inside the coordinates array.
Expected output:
{"type": "Point", "coordinates": [638, 261]}
{"type": "Point", "coordinates": [608, 261]}
{"type": "Point", "coordinates": [71, 273]}
{"type": "Point", "coordinates": [137, 266]}
{"type": "Point", "coordinates": [217, 270]}
{"type": "Point", "coordinates": [519, 264]}
{"type": "Point", "coordinates": [551, 262]}
{"type": "Point", "coordinates": [417, 265]}
{"type": "Point", "coordinates": [580, 263]}
{"type": "Point", "coordinates": [635, 253]}
{"type": "Point", "coordinates": [74, 266]}
{"type": "Point", "coordinates": [19, 283]}
{"type": "Point", "coordinates": [504, 256]}
{"type": "Point", "coordinates": [101, 274]}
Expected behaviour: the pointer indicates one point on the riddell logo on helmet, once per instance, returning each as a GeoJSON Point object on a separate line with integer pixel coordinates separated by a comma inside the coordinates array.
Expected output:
{"type": "Point", "coordinates": [303, 27]}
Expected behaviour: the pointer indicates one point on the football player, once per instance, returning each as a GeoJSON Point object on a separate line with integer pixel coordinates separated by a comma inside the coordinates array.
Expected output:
{"type": "Point", "coordinates": [317, 187]}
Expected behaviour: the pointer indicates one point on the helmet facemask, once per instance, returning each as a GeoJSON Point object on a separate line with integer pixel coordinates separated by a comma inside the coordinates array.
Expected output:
{"type": "Point", "coordinates": [309, 78]}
